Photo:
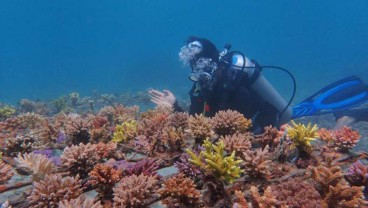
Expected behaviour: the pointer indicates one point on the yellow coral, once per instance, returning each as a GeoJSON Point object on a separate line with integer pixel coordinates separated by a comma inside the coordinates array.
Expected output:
{"type": "Point", "coordinates": [125, 131]}
{"type": "Point", "coordinates": [302, 135]}
{"type": "Point", "coordinates": [6, 111]}
{"type": "Point", "coordinates": [213, 160]}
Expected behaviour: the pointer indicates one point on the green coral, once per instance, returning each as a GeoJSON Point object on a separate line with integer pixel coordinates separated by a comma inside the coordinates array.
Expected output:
{"type": "Point", "coordinates": [6, 112]}
{"type": "Point", "coordinates": [302, 135]}
{"type": "Point", "coordinates": [213, 160]}
{"type": "Point", "coordinates": [125, 131]}
{"type": "Point", "coordinates": [60, 104]}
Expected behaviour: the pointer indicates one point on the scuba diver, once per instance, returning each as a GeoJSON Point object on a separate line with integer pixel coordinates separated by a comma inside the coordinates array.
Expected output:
{"type": "Point", "coordinates": [229, 80]}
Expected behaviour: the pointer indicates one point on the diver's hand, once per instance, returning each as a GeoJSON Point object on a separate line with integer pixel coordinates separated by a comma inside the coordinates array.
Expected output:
{"type": "Point", "coordinates": [165, 98]}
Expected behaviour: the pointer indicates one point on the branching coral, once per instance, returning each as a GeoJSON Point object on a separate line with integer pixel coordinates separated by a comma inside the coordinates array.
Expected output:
{"type": "Point", "coordinates": [270, 137]}
{"type": "Point", "coordinates": [268, 200]}
{"type": "Point", "coordinates": [200, 128]}
{"type": "Point", "coordinates": [132, 191]}
{"type": "Point", "coordinates": [345, 138]}
{"type": "Point", "coordinates": [106, 150]}
{"type": "Point", "coordinates": [297, 193]}
{"type": "Point", "coordinates": [241, 201]}
{"type": "Point", "coordinates": [179, 120]}
{"type": "Point", "coordinates": [326, 177]}
{"type": "Point", "coordinates": [237, 142]}
{"type": "Point", "coordinates": [19, 144]}
{"type": "Point", "coordinates": [257, 163]}
{"type": "Point", "coordinates": [358, 174]}
{"type": "Point", "coordinates": [39, 165]}
{"type": "Point", "coordinates": [31, 120]}
{"type": "Point", "coordinates": [53, 189]}
{"type": "Point", "coordinates": [103, 178]}
{"type": "Point", "coordinates": [77, 129]}
{"type": "Point", "coordinates": [180, 192]}
{"type": "Point", "coordinates": [342, 195]}
{"type": "Point", "coordinates": [101, 130]}
{"type": "Point", "coordinates": [186, 167]}
{"type": "Point", "coordinates": [216, 163]}
{"type": "Point", "coordinates": [173, 138]}
{"type": "Point", "coordinates": [125, 131]}
{"type": "Point", "coordinates": [302, 136]}
{"type": "Point", "coordinates": [147, 167]}
{"type": "Point", "coordinates": [230, 122]}
{"type": "Point", "coordinates": [6, 111]}
{"type": "Point", "coordinates": [80, 202]}
{"type": "Point", "coordinates": [80, 159]}
{"type": "Point", "coordinates": [6, 172]}
{"type": "Point", "coordinates": [122, 114]}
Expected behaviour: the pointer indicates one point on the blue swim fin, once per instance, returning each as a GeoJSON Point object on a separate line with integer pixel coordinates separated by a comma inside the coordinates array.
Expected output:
{"type": "Point", "coordinates": [343, 94]}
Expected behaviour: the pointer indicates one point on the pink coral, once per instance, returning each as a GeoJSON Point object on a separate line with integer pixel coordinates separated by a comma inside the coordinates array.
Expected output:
{"type": "Point", "coordinates": [230, 122]}
{"type": "Point", "coordinates": [6, 172]}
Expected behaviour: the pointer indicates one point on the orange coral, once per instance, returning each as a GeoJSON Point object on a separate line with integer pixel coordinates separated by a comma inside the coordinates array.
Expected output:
{"type": "Point", "coordinates": [237, 142]}
{"type": "Point", "coordinates": [179, 120]}
{"type": "Point", "coordinates": [80, 159]}
{"type": "Point", "coordinates": [342, 195]}
{"type": "Point", "coordinates": [345, 138]}
{"type": "Point", "coordinates": [200, 127]}
{"type": "Point", "coordinates": [325, 135]}
{"type": "Point", "coordinates": [173, 138]}
{"type": "Point", "coordinates": [52, 189]}
{"type": "Point", "coordinates": [257, 163]}
{"type": "Point", "coordinates": [103, 178]}
{"type": "Point", "coordinates": [106, 150]}
{"type": "Point", "coordinates": [230, 122]}
{"type": "Point", "coordinates": [132, 190]}
{"type": "Point", "coordinates": [122, 114]}
{"type": "Point", "coordinates": [80, 202]}
{"type": "Point", "coordinates": [268, 200]}
{"type": "Point", "coordinates": [6, 172]}
{"type": "Point", "coordinates": [242, 203]}
{"type": "Point", "coordinates": [326, 177]}
{"type": "Point", "coordinates": [180, 192]}
{"type": "Point", "coordinates": [270, 137]}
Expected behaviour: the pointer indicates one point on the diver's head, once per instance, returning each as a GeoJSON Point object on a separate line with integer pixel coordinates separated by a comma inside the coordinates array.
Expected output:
{"type": "Point", "coordinates": [203, 58]}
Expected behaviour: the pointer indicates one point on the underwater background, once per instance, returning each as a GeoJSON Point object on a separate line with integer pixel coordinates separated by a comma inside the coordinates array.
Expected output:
{"type": "Point", "coordinates": [49, 48]}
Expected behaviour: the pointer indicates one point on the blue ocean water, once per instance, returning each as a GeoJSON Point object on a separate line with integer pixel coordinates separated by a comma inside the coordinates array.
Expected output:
{"type": "Point", "coordinates": [51, 47]}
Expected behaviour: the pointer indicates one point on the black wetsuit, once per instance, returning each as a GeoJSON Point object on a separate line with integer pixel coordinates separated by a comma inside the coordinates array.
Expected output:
{"type": "Point", "coordinates": [233, 95]}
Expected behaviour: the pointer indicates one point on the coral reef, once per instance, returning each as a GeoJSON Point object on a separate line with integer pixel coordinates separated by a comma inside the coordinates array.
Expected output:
{"type": "Point", "coordinates": [125, 131]}
{"type": "Point", "coordinates": [326, 177]}
{"type": "Point", "coordinates": [147, 167]}
{"type": "Point", "coordinates": [80, 202]}
{"type": "Point", "coordinates": [199, 128]}
{"type": "Point", "coordinates": [268, 200]}
{"type": "Point", "coordinates": [6, 111]}
{"type": "Point", "coordinates": [180, 191]}
{"type": "Point", "coordinates": [53, 189]}
{"type": "Point", "coordinates": [358, 174]}
{"type": "Point", "coordinates": [257, 163]}
{"type": "Point", "coordinates": [241, 201]}
{"type": "Point", "coordinates": [80, 159]}
{"type": "Point", "coordinates": [230, 122]}
{"type": "Point", "coordinates": [342, 196]}
{"type": "Point", "coordinates": [6, 172]}
{"type": "Point", "coordinates": [77, 129]}
{"type": "Point", "coordinates": [345, 139]}
{"type": "Point", "coordinates": [19, 144]}
{"type": "Point", "coordinates": [237, 142]}
{"type": "Point", "coordinates": [186, 167]}
{"type": "Point", "coordinates": [132, 190]}
{"type": "Point", "coordinates": [296, 193]}
{"type": "Point", "coordinates": [216, 163]}
{"type": "Point", "coordinates": [37, 164]}
{"type": "Point", "coordinates": [270, 137]}
{"type": "Point", "coordinates": [302, 136]}
{"type": "Point", "coordinates": [103, 178]}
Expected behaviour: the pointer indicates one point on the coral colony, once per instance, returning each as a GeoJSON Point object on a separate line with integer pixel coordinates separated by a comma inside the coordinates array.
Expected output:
{"type": "Point", "coordinates": [92, 152]}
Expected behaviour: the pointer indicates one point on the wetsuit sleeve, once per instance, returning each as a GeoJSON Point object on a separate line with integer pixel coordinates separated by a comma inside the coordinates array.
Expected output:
{"type": "Point", "coordinates": [177, 108]}
{"type": "Point", "coordinates": [358, 114]}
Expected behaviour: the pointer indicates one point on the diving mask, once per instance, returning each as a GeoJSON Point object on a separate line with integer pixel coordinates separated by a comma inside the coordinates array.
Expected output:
{"type": "Point", "coordinates": [187, 53]}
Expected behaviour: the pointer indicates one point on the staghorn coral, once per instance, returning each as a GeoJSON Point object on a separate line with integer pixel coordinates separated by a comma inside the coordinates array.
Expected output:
{"type": "Point", "coordinates": [147, 167]}
{"type": "Point", "coordinates": [296, 193]}
{"type": "Point", "coordinates": [19, 144]}
{"type": "Point", "coordinates": [53, 189]}
{"type": "Point", "coordinates": [268, 200]}
{"type": "Point", "coordinates": [325, 135]}
{"type": "Point", "coordinates": [179, 120]}
{"type": "Point", "coordinates": [106, 150]}
{"type": "Point", "coordinates": [103, 178]}
{"type": "Point", "coordinates": [80, 202]}
{"type": "Point", "coordinates": [214, 161]}
{"type": "Point", "coordinates": [6, 172]}
{"type": "Point", "coordinates": [342, 195]}
{"type": "Point", "coordinates": [302, 136]}
{"type": "Point", "coordinates": [122, 114]}
{"type": "Point", "coordinates": [80, 159]}
{"type": "Point", "coordinates": [6, 111]}
{"type": "Point", "coordinates": [132, 190]}
{"type": "Point", "coordinates": [173, 138]}
{"type": "Point", "coordinates": [270, 137]}
{"type": "Point", "coordinates": [38, 164]}
{"type": "Point", "coordinates": [101, 130]}
{"type": "Point", "coordinates": [125, 131]}
{"type": "Point", "coordinates": [345, 139]}
{"type": "Point", "coordinates": [45, 134]}
{"type": "Point", "coordinates": [77, 128]}
{"type": "Point", "coordinates": [199, 128]}
{"type": "Point", "coordinates": [230, 122]}
{"type": "Point", "coordinates": [241, 201]}
{"type": "Point", "coordinates": [237, 142]}
{"type": "Point", "coordinates": [325, 177]}
{"type": "Point", "coordinates": [180, 191]}
{"type": "Point", "coordinates": [186, 167]}
{"type": "Point", "coordinates": [358, 174]}
{"type": "Point", "coordinates": [257, 163]}
{"type": "Point", "coordinates": [29, 106]}
{"type": "Point", "coordinates": [31, 120]}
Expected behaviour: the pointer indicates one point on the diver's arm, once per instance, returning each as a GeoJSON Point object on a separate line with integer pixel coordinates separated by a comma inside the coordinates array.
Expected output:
{"type": "Point", "coordinates": [165, 98]}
